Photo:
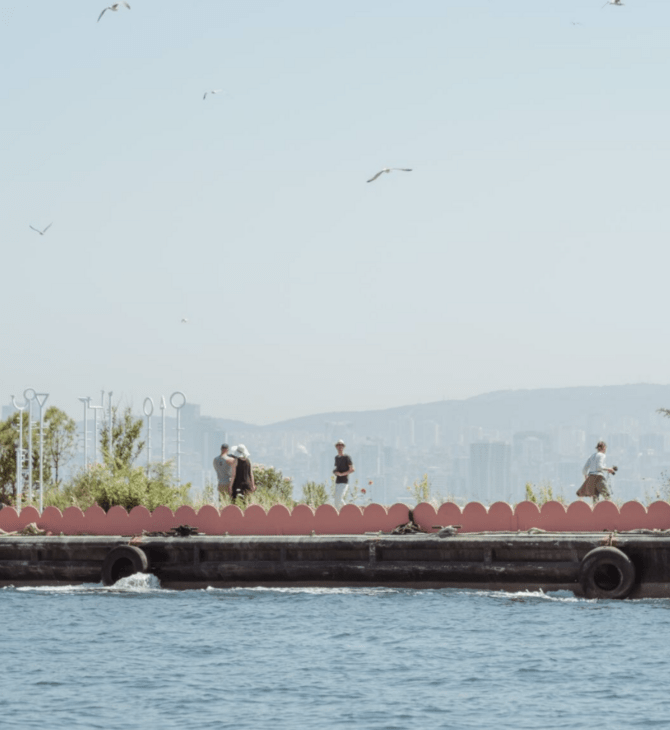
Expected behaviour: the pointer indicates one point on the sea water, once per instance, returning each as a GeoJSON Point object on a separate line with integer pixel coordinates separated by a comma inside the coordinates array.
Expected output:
{"type": "Point", "coordinates": [137, 656]}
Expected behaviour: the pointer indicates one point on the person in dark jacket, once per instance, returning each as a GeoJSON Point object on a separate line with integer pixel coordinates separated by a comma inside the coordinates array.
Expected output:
{"type": "Point", "coordinates": [242, 475]}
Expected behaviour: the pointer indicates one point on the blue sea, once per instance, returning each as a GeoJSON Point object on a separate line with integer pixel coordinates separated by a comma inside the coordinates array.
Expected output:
{"type": "Point", "coordinates": [137, 656]}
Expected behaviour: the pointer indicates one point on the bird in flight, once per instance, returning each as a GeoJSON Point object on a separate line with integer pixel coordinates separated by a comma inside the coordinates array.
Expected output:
{"type": "Point", "coordinates": [213, 91]}
{"type": "Point", "coordinates": [613, 2]}
{"type": "Point", "coordinates": [41, 232]}
{"type": "Point", "coordinates": [113, 7]}
{"type": "Point", "coordinates": [184, 320]}
{"type": "Point", "coordinates": [388, 169]}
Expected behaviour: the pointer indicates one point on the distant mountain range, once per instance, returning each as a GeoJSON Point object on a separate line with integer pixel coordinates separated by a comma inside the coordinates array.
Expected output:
{"type": "Point", "coordinates": [510, 410]}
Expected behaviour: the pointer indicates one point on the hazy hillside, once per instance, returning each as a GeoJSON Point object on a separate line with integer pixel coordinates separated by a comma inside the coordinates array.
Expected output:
{"type": "Point", "coordinates": [515, 410]}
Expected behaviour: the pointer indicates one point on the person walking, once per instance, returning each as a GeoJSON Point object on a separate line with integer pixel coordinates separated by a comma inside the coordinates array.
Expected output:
{"type": "Point", "coordinates": [343, 467]}
{"type": "Point", "coordinates": [242, 478]}
{"type": "Point", "coordinates": [595, 475]}
{"type": "Point", "coordinates": [223, 465]}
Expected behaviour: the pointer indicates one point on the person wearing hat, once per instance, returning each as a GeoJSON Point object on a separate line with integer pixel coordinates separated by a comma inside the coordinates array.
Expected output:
{"type": "Point", "coordinates": [223, 466]}
{"type": "Point", "coordinates": [343, 467]}
{"type": "Point", "coordinates": [242, 477]}
{"type": "Point", "coordinates": [595, 475]}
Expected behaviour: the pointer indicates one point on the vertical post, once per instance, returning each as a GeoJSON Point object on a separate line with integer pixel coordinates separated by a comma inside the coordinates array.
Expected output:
{"type": "Point", "coordinates": [29, 395]}
{"type": "Point", "coordinates": [19, 455]}
{"type": "Point", "coordinates": [41, 400]}
{"type": "Point", "coordinates": [85, 401]}
{"type": "Point", "coordinates": [163, 407]}
{"type": "Point", "coordinates": [148, 408]}
{"type": "Point", "coordinates": [95, 410]}
{"type": "Point", "coordinates": [110, 394]}
{"type": "Point", "coordinates": [178, 401]}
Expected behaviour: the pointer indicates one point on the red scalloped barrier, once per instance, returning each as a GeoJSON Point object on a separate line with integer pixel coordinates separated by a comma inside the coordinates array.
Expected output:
{"type": "Point", "coordinates": [351, 520]}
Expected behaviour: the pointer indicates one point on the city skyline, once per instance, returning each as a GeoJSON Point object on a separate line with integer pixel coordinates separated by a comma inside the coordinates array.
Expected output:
{"type": "Point", "coordinates": [526, 249]}
{"type": "Point", "coordinates": [482, 449]}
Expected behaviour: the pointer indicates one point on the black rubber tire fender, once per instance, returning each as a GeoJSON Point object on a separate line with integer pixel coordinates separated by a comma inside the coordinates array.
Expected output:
{"type": "Point", "coordinates": [122, 561]}
{"type": "Point", "coordinates": [606, 572]}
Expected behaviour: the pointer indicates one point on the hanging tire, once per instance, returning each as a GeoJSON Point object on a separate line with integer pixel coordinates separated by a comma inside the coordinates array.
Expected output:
{"type": "Point", "coordinates": [606, 572]}
{"type": "Point", "coordinates": [122, 561]}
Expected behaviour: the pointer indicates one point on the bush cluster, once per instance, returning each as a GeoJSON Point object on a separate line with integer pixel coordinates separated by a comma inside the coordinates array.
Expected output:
{"type": "Point", "coordinates": [128, 487]}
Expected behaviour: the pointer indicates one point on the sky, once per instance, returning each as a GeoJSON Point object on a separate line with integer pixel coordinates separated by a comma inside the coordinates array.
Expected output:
{"type": "Point", "coordinates": [526, 249]}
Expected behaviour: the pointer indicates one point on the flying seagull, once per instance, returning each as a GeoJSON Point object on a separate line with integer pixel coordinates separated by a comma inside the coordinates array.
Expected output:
{"type": "Point", "coordinates": [613, 2]}
{"type": "Point", "coordinates": [213, 91]}
{"type": "Point", "coordinates": [113, 7]}
{"type": "Point", "coordinates": [388, 169]}
{"type": "Point", "coordinates": [184, 320]}
{"type": "Point", "coordinates": [41, 232]}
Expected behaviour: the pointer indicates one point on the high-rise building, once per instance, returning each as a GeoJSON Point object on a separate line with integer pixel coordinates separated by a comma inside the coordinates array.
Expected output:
{"type": "Point", "coordinates": [490, 471]}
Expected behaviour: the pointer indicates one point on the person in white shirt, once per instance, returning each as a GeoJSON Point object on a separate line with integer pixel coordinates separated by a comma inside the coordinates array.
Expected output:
{"type": "Point", "coordinates": [595, 475]}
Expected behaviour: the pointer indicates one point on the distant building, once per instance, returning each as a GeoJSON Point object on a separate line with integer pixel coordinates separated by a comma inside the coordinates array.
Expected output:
{"type": "Point", "coordinates": [490, 471]}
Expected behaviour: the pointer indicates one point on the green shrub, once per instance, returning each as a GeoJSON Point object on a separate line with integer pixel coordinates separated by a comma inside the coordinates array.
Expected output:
{"type": "Point", "coordinates": [420, 490]}
{"type": "Point", "coordinates": [544, 494]}
{"type": "Point", "coordinates": [128, 487]}
{"type": "Point", "coordinates": [271, 488]}
{"type": "Point", "coordinates": [314, 494]}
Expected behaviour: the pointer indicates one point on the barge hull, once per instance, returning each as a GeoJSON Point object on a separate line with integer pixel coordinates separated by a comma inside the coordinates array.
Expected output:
{"type": "Point", "coordinates": [604, 565]}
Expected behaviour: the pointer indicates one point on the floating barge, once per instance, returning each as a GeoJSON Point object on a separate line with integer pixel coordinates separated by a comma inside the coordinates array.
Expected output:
{"type": "Point", "coordinates": [593, 565]}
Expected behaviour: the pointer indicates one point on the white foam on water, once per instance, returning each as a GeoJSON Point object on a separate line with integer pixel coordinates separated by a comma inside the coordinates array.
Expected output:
{"type": "Point", "coordinates": [556, 596]}
{"type": "Point", "coordinates": [311, 590]}
{"type": "Point", "coordinates": [83, 588]}
{"type": "Point", "coordinates": [137, 583]}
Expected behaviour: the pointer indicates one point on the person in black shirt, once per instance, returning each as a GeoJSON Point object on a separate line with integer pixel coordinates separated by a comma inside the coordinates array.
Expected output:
{"type": "Point", "coordinates": [343, 467]}
{"type": "Point", "coordinates": [242, 475]}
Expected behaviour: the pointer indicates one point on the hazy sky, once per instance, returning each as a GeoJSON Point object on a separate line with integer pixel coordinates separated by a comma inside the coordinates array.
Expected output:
{"type": "Point", "coordinates": [528, 248]}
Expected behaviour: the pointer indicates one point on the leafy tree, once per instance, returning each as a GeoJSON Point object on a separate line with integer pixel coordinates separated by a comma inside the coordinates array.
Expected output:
{"type": "Point", "coordinates": [9, 440]}
{"type": "Point", "coordinates": [125, 442]}
{"type": "Point", "coordinates": [60, 440]}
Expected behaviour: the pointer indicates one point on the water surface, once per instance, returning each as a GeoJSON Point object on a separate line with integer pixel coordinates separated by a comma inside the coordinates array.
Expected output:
{"type": "Point", "coordinates": [137, 656]}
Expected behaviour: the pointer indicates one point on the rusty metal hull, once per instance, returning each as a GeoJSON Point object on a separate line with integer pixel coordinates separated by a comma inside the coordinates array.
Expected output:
{"type": "Point", "coordinates": [492, 561]}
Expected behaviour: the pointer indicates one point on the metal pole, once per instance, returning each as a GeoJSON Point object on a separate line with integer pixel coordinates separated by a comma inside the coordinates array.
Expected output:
{"type": "Point", "coordinates": [85, 401]}
{"type": "Point", "coordinates": [19, 456]}
{"type": "Point", "coordinates": [163, 407]}
{"type": "Point", "coordinates": [29, 395]}
{"type": "Point", "coordinates": [95, 410]}
{"type": "Point", "coordinates": [148, 408]}
{"type": "Point", "coordinates": [178, 406]}
{"type": "Point", "coordinates": [110, 394]}
{"type": "Point", "coordinates": [41, 400]}
{"type": "Point", "coordinates": [18, 479]}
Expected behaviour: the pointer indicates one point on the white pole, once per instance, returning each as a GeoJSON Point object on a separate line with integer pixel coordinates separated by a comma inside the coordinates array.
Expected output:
{"type": "Point", "coordinates": [18, 479]}
{"type": "Point", "coordinates": [41, 400]}
{"type": "Point", "coordinates": [95, 410]}
{"type": "Point", "coordinates": [85, 401]}
{"type": "Point", "coordinates": [110, 394]}
{"type": "Point", "coordinates": [19, 455]}
{"type": "Point", "coordinates": [163, 407]}
{"type": "Point", "coordinates": [177, 405]}
{"type": "Point", "coordinates": [30, 398]}
{"type": "Point", "coordinates": [148, 408]}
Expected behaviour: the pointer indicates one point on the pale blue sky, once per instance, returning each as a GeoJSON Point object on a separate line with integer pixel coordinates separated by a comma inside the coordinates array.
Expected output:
{"type": "Point", "coordinates": [528, 247]}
